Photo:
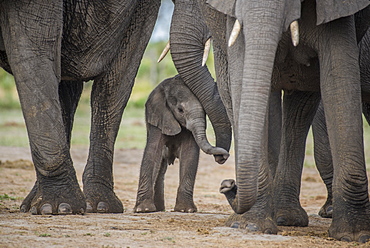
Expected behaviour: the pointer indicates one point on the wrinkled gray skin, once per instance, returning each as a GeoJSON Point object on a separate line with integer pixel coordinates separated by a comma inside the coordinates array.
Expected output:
{"type": "Point", "coordinates": [51, 48]}
{"type": "Point", "coordinates": [188, 35]}
{"type": "Point", "coordinates": [294, 69]}
{"type": "Point", "coordinates": [322, 150]}
{"type": "Point", "coordinates": [264, 51]}
{"type": "Point", "coordinates": [176, 128]}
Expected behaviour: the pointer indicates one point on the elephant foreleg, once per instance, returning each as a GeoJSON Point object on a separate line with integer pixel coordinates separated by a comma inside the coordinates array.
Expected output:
{"type": "Point", "coordinates": [299, 109]}
{"type": "Point", "coordinates": [151, 180]}
{"type": "Point", "coordinates": [189, 158]}
{"type": "Point", "coordinates": [69, 95]}
{"type": "Point", "coordinates": [32, 34]}
{"type": "Point", "coordinates": [341, 96]}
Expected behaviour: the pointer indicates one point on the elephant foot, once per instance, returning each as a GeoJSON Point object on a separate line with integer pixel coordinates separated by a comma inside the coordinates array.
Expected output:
{"type": "Point", "coordinates": [291, 217]}
{"type": "Point", "coordinates": [146, 206]}
{"type": "Point", "coordinates": [252, 223]}
{"type": "Point", "coordinates": [185, 207]}
{"type": "Point", "coordinates": [55, 197]}
{"type": "Point", "coordinates": [26, 204]}
{"type": "Point", "coordinates": [101, 199]}
{"type": "Point", "coordinates": [351, 228]}
{"type": "Point", "coordinates": [326, 210]}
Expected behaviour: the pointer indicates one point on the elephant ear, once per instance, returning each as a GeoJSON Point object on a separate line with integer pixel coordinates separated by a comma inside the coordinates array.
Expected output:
{"type": "Point", "coordinates": [158, 113]}
{"type": "Point", "coordinates": [224, 6]}
{"type": "Point", "coordinates": [329, 10]}
{"type": "Point", "coordinates": [231, 8]}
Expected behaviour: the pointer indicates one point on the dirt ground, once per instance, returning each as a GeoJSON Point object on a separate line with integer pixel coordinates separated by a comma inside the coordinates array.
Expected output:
{"type": "Point", "coordinates": [165, 229]}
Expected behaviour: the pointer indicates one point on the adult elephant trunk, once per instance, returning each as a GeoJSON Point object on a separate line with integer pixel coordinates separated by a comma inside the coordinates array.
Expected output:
{"type": "Point", "coordinates": [197, 125]}
{"type": "Point", "coordinates": [250, 77]}
{"type": "Point", "coordinates": [188, 35]}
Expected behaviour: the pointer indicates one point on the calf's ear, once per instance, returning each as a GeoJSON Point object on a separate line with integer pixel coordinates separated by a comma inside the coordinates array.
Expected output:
{"type": "Point", "coordinates": [158, 114]}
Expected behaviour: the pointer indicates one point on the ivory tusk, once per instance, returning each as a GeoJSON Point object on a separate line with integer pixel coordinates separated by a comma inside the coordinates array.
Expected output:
{"type": "Point", "coordinates": [207, 48]}
{"type": "Point", "coordinates": [234, 33]}
{"type": "Point", "coordinates": [294, 31]}
{"type": "Point", "coordinates": [164, 52]}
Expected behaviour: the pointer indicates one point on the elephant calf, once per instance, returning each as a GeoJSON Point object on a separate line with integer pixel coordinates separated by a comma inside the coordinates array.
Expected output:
{"type": "Point", "coordinates": [176, 128]}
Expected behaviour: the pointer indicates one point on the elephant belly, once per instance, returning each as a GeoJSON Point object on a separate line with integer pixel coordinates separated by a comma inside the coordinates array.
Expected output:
{"type": "Point", "coordinates": [94, 36]}
{"type": "Point", "coordinates": [292, 75]}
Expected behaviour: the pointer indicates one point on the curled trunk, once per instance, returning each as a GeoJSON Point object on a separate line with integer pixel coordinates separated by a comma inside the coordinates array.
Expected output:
{"type": "Point", "coordinates": [250, 94]}
{"type": "Point", "coordinates": [188, 35]}
{"type": "Point", "coordinates": [198, 128]}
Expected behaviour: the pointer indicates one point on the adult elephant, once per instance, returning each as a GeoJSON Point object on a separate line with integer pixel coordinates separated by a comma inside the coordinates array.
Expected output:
{"type": "Point", "coordinates": [317, 60]}
{"type": "Point", "coordinates": [51, 49]}
{"type": "Point", "coordinates": [325, 59]}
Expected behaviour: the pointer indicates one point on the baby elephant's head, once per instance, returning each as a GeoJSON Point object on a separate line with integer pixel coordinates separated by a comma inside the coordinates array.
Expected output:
{"type": "Point", "coordinates": [172, 106]}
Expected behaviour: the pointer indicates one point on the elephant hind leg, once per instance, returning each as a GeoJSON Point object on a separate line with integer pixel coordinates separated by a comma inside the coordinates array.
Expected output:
{"type": "Point", "coordinates": [69, 96]}
{"type": "Point", "coordinates": [323, 159]}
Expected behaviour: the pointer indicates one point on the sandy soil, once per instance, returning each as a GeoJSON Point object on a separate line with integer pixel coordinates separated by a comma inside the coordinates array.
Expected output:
{"type": "Point", "coordinates": [165, 229]}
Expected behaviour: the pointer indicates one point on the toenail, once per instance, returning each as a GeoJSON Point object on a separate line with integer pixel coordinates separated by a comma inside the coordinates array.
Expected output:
{"type": "Point", "coordinates": [89, 208]}
{"type": "Point", "coordinates": [46, 209]}
{"type": "Point", "coordinates": [235, 225]}
{"type": "Point", "coordinates": [252, 227]}
{"type": "Point", "coordinates": [280, 220]}
{"type": "Point", "coordinates": [33, 210]}
{"type": "Point", "coordinates": [268, 231]}
{"type": "Point", "coordinates": [364, 238]}
{"type": "Point", "coordinates": [346, 239]}
{"type": "Point", "coordinates": [23, 209]}
{"type": "Point", "coordinates": [102, 207]}
{"type": "Point", "coordinates": [64, 208]}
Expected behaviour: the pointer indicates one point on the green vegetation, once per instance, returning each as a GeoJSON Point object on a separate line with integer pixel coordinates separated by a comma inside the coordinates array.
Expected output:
{"type": "Point", "coordinates": [7, 197]}
{"type": "Point", "coordinates": [44, 235]}
{"type": "Point", "coordinates": [8, 92]}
